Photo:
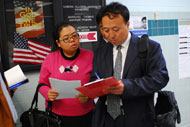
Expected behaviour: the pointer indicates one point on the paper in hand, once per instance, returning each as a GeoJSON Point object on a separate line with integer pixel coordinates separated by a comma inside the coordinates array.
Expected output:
{"type": "Point", "coordinates": [66, 89]}
{"type": "Point", "coordinates": [15, 77]}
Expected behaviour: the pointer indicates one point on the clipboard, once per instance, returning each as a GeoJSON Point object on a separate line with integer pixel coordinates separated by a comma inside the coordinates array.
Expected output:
{"type": "Point", "coordinates": [97, 88]}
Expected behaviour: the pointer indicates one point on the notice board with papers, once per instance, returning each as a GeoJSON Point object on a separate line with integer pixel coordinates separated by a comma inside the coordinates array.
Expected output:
{"type": "Point", "coordinates": [82, 14]}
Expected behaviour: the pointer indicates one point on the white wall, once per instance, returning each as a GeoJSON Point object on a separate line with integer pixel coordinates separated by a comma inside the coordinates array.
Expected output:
{"type": "Point", "coordinates": [155, 5]}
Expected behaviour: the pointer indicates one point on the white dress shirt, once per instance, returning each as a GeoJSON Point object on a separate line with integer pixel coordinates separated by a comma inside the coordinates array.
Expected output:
{"type": "Point", "coordinates": [124, 50]}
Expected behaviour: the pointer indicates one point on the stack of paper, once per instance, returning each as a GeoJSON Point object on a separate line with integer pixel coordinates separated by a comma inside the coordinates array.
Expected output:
{"type": "Point", "coordinates": [15, 77]}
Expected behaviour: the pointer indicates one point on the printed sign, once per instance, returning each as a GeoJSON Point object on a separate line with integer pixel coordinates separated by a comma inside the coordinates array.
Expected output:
{"type": "Point", "coordinates": [88, 36]}
{"type": "Point", "coordinates": [29, 18]}
{"type": "Point", "coordinates": [138, 25]}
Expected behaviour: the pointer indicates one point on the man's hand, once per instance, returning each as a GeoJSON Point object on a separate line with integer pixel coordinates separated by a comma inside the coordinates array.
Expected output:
{"type": "Point", "coordinates": [52, 94]}
{"type": "Point", "coordinates": [82, 98]}
{"type": "Point", "coordinates": [118, 90]}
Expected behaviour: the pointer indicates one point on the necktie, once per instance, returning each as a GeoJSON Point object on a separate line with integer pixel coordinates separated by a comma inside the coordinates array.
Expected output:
{"type": "Point", "coordinates": [113, 101]}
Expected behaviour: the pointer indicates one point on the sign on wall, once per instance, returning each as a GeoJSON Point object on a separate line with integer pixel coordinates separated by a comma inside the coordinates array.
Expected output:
{"type": "Point", "coordinates": [184, 49]}
{"type": "Point", "coordinates": [80, 13]}
{"type": "Point", "coordinates": [29, 18]}
{"type": "Point", "coordinates": [138, 25]}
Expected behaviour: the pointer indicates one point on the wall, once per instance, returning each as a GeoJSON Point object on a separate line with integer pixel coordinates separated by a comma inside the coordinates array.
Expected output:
{"type": "Point", "coordinates": [158, 5]}
{"type": "Point", "coordinates": [170, 9]}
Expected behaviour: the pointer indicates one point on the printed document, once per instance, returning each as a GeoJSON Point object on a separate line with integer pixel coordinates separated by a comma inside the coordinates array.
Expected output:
{"type": "Point", "coordinates": [66, 89]}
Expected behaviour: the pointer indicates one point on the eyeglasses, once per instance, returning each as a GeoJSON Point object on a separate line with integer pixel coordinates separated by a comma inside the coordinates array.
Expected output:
{"type": "Point", "coordinates": [67, 39]}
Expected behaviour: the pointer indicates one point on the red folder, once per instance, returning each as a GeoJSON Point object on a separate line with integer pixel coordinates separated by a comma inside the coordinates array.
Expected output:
{"type": "Point", "coordinates": [97, 88]}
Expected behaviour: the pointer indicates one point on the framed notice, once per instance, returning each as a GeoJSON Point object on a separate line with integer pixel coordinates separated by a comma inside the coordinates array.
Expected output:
{"type": "Point", "coordinates": [80, 13]}
{"type": "Point", "coordinates": [184, 49]}
{"type": "Point", "coordinates": [139, 25]}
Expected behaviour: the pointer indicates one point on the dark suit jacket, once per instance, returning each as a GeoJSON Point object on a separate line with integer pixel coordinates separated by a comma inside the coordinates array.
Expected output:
{"type": "Point", "coordinates": [138, 92]}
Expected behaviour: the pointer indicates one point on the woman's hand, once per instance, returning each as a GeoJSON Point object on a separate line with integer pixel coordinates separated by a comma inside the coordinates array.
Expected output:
{"type": "Point", "coordinates": [82, 98]}
{"type": "Point", "coordinates": [52, 94]}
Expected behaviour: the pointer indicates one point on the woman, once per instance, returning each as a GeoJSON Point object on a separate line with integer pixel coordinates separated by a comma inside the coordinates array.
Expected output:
{"type": "Point", "coordinates": [68, 63]}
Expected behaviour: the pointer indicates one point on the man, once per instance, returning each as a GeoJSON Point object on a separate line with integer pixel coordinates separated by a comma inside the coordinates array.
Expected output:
{"type": "Point", "coordinates": [134, 90]}
{"type": "Point", "coordinates": [6, 119]}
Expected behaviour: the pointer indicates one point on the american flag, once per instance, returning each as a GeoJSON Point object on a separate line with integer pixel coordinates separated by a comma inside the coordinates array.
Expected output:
{"type": "Point", "coordinates": [29, 18]}
{"type": "Point", "coordinates": [29, 51]}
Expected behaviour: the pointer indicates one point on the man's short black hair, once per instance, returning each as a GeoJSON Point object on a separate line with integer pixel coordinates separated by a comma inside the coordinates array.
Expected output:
{"type": "Point", "coordinates": [112, 9]}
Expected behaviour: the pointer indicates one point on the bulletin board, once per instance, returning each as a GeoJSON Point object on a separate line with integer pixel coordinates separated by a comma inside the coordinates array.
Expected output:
{"type": "Point", "coordinates": [81, 13]}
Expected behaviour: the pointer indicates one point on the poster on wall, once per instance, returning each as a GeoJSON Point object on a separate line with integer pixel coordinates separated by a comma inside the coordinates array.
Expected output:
{"type": "Point", "coordinates": [80, 13]}
{"type": "Point", "coordinates": [184, 49]}
{"type": "Point", "coordinates": [29, 18]}
{"type": "Point", "coordinates": [138, 25]}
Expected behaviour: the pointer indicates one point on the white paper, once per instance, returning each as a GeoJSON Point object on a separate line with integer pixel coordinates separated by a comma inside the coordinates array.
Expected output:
{"type": "Point", "coordinates": [66, 89]}
{"type": "Point", "coordinates": [14, 75]}
{"type": "Point", "coordinates": [184, 49]}
{"type": "Point", "coordinates": [93, 82]}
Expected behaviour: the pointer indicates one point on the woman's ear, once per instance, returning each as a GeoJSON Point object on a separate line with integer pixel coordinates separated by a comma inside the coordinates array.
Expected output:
{"type": "Point", "coordinates": [57, 42]}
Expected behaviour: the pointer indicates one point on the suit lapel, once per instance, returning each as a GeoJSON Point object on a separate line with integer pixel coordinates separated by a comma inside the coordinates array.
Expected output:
{"type": "Point", "coordinates": [109, 60]}
{"type": "Point", "coordinates": [131, 54]}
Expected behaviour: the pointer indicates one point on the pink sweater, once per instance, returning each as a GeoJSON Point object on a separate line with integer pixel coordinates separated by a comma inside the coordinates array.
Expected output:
{"type": "Point", "coordinates": [81, 70]}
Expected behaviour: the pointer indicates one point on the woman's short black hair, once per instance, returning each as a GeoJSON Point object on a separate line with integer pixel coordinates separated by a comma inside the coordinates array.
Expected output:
{"type": "Point", "coordinates": [57, 31]}
{"type": "Point", "coordinates": [59, 27]}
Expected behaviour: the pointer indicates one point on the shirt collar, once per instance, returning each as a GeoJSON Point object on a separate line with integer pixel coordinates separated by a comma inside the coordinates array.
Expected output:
{"type": "Point", "coordinates": [126, 43]}
{"type": "Point", "coordinates": [70, 58]}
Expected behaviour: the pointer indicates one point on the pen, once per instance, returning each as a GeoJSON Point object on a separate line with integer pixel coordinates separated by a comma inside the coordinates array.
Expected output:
{"type": "Point", "coordinates": [97, 75]}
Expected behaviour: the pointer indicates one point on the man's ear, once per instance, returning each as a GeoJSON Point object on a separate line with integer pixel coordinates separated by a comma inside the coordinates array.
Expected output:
{"type": "Point", "coordinates": [128, 23]}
